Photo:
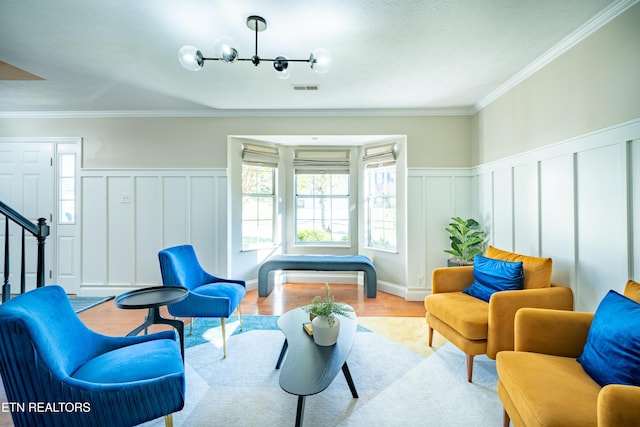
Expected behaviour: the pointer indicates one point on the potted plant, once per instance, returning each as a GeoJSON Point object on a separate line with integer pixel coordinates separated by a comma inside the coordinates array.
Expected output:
{"type": "Point", "coordinates": [326, 325]}
{"type": "Point", "coordinates": [467, 240]}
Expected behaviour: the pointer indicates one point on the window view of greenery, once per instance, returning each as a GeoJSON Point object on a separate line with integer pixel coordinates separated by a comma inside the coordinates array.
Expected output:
{"type": "Point", "coordinates": [381, 206]}
{"type": "Point", "coordinates": [322, 208]}
{"type": "Point", "coordinates": [258, 202]}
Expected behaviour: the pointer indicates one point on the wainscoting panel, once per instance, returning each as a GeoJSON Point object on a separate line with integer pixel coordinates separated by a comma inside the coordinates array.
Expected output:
{"type": "Point", "coordinates": [120, 231]}
{"type": "Point", "coordinates": [576, 201]}
{"type": "Point", "coordinates": [526, 213]}
{"type": "Point", "coordinates": [94, 231]}
{"type": "Point", "coordinates": [417, 238]}
{"type": "Point", "coordinates": [148, 226]}
{"type": "Point", "coordinates": [208, 224]}
{"type": "Point", "coordinates": [601, 222]}
{"type": "Point", "coordinates": [175, 198]}
{"type": "Point", "coordinates": [130, 215]}
{"type": "Point", "coordinates": [503, 233]}
{"type": "Point", "coordinates": [557, 234]}
{"type": "Point", "coordinates": [434, 196]}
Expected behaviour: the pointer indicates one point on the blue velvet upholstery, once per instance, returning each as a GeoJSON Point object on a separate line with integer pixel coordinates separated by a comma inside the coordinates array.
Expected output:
{"type": "Point", "coordinates": [209, 295]}
{"type": "Point", "coordinates": [317, 263]}
{"type": "Point", "coordinates": [493, 275]}
{"type": "Point", "coordinates": [611, 354]}
{"type": "Point", "coordinates": [47, 355]}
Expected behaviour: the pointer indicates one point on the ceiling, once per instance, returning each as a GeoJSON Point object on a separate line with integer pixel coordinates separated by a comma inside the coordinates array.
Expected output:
{"type": "Point", "coordinates": [388, 55]}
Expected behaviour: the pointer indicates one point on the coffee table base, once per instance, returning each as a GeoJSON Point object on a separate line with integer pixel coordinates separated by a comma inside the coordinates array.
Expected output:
{"type": "Point", "coordinates": [154, 318]}
{"type": "Point", "coordinates": [301, 398]}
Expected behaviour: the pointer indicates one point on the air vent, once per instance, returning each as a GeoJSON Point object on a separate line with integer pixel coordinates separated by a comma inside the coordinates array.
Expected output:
{"type": "Point", "coordinates": [306, 87]}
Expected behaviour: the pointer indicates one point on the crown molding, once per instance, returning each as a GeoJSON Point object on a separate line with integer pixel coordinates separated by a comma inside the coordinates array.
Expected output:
{"type": "Point", "coordinates": [395, 112]}
{"type": "Point", "coordinates": [591, 26]}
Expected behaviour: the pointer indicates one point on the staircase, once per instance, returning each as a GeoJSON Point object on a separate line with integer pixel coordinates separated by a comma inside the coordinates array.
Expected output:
{"type": "Point", "coordinates": [40, 231]}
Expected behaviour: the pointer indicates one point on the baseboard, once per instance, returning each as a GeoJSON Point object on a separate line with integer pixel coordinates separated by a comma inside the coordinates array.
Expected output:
{"type": "Point", "coordinates": [110, 290]}
{"type": "Point", "coordinates": [409, 294]}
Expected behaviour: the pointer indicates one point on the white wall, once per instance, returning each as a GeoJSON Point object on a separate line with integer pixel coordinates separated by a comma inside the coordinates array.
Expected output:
{"type": "Point", "coordinates": [433, 197]}
{"type": "Point", "coordinates": [130, 215]}
{"type": "Point", "coordinates": [573, 201]}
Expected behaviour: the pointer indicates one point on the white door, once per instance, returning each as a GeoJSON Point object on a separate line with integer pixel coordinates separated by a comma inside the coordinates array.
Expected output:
{"type": "Point", "coordinates": [26, 185]}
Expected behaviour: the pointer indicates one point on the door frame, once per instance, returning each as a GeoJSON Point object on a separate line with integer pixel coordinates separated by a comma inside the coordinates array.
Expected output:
{"type": "Point", "coordinates": [61, 145]}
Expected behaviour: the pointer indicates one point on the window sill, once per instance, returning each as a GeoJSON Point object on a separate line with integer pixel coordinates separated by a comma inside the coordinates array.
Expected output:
{"type": "Point", "coordinates": [386, 250]}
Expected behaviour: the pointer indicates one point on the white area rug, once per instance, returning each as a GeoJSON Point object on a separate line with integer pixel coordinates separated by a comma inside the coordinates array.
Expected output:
{"type": "Point", "coordinates": [397, 387]}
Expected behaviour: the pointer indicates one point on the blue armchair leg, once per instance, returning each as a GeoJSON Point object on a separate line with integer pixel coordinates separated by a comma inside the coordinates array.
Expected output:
{"type": "Point", "coordinates": [168, 420]}
{"type": "Point", "coordinates": [224, 339]}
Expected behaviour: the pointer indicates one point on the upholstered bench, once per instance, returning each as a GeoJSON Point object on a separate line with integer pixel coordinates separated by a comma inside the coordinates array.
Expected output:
{"type": "Point", "coordinates": [317, 263]}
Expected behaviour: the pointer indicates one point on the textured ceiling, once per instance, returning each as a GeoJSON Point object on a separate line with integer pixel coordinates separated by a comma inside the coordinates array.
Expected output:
{"type": "Point", "coordinates": [121, 55]}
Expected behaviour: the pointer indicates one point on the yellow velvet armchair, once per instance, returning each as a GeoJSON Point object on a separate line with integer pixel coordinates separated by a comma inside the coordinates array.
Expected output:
{"type": "Point", "coordinates": [542, 383]}
{"type": "Point", "coordinates": [477, 327]}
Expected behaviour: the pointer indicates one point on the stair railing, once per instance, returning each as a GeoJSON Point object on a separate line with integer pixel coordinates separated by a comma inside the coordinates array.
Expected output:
{"type": "Point", "coordinates": [40, 231]}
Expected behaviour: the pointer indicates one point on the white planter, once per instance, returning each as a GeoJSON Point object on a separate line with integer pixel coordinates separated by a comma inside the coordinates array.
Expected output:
{"type": "Point", "coordinates": [323, 334]}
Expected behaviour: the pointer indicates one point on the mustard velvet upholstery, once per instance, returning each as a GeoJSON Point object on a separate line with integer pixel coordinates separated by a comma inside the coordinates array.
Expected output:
{"type": "Point", "coordinates": [541, 383]}
{"type": "Point", "coordinates": [537, 271]}
{"type": "Point", "coordinates": [479, 327]}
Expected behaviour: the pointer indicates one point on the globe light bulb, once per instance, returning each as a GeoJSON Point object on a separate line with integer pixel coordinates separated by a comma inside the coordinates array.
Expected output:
{"type": "Point", "coordinates": [281, 67]}
{"type": "Point", "coordinates": [320, 61]}
{"type": "Point", "coordinates": [224, 49]}
{"type": "Point", "coordinates": [191, 58]}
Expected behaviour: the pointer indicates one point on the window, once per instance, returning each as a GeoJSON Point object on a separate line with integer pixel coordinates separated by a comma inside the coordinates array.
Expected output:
{"type": "Point", "coordinates": [258, 196]}
{"type": "Point", "coordinates": [380, 197]}
{"type": "Point", "coordinates": [67, 188]}
{"type": "Point", "coordinates": [322, 196]}
{"type": "Point", "coordinates": [322, 208]}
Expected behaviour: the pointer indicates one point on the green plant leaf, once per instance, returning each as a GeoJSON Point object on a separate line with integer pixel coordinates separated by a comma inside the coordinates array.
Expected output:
{"type": "Point", "coordinates": [467, 239]}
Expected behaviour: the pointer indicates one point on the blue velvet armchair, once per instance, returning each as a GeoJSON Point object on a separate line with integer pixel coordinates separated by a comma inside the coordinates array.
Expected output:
{"type": "Point", "coordinates": [57, 372]}
{"type": "Point", "coordinates": [209, 296]}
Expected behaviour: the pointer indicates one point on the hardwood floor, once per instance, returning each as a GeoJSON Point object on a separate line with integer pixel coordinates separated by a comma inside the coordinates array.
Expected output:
{"type": "Point", "coordinates": [106, 318]}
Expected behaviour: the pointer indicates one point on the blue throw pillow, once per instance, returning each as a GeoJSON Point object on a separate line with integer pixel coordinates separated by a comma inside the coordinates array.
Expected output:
{"type": "Point", "coordinates": [494, 275]}
{"type": "Point", "coordinates": [611, 354]}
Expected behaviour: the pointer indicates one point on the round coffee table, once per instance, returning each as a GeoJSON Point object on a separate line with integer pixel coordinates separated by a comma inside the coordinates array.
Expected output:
{"type": "Point", "coordinates": [153, 298]}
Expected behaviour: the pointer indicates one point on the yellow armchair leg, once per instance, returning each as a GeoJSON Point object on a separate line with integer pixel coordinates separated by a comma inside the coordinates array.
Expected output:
{"type": "Point", "coordinates": [168, 420]}
{"type": "Point", "coordinates": [469, 366]}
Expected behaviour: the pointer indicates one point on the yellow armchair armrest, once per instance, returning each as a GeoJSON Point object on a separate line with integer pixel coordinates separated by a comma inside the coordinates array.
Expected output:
{"type": "Point", "coordinates": [503, 307]}
{"type": "Point", "coordinates": [618, 405]}
{"type": "Point", "coordinates": [553, 332]}
{"type": "Point", "coordinates": [451, 279]}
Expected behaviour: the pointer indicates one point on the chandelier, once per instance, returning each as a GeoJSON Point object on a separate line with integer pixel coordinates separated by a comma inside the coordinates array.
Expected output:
{"type": "Point", "coordinates": [193, 59]}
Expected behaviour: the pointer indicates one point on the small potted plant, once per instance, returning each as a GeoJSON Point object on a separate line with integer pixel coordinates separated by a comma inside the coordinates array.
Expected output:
{"type": "Point", "coordinates": [467, 240]}
{"type": "Point", "coordinates": [326, 325]}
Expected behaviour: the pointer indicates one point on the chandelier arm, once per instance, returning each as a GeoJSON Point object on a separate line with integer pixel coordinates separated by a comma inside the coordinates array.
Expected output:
{"type": "Point", "coordinates": [253, 59]}
{"type": "Point", "coordinates": [288, 60]}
